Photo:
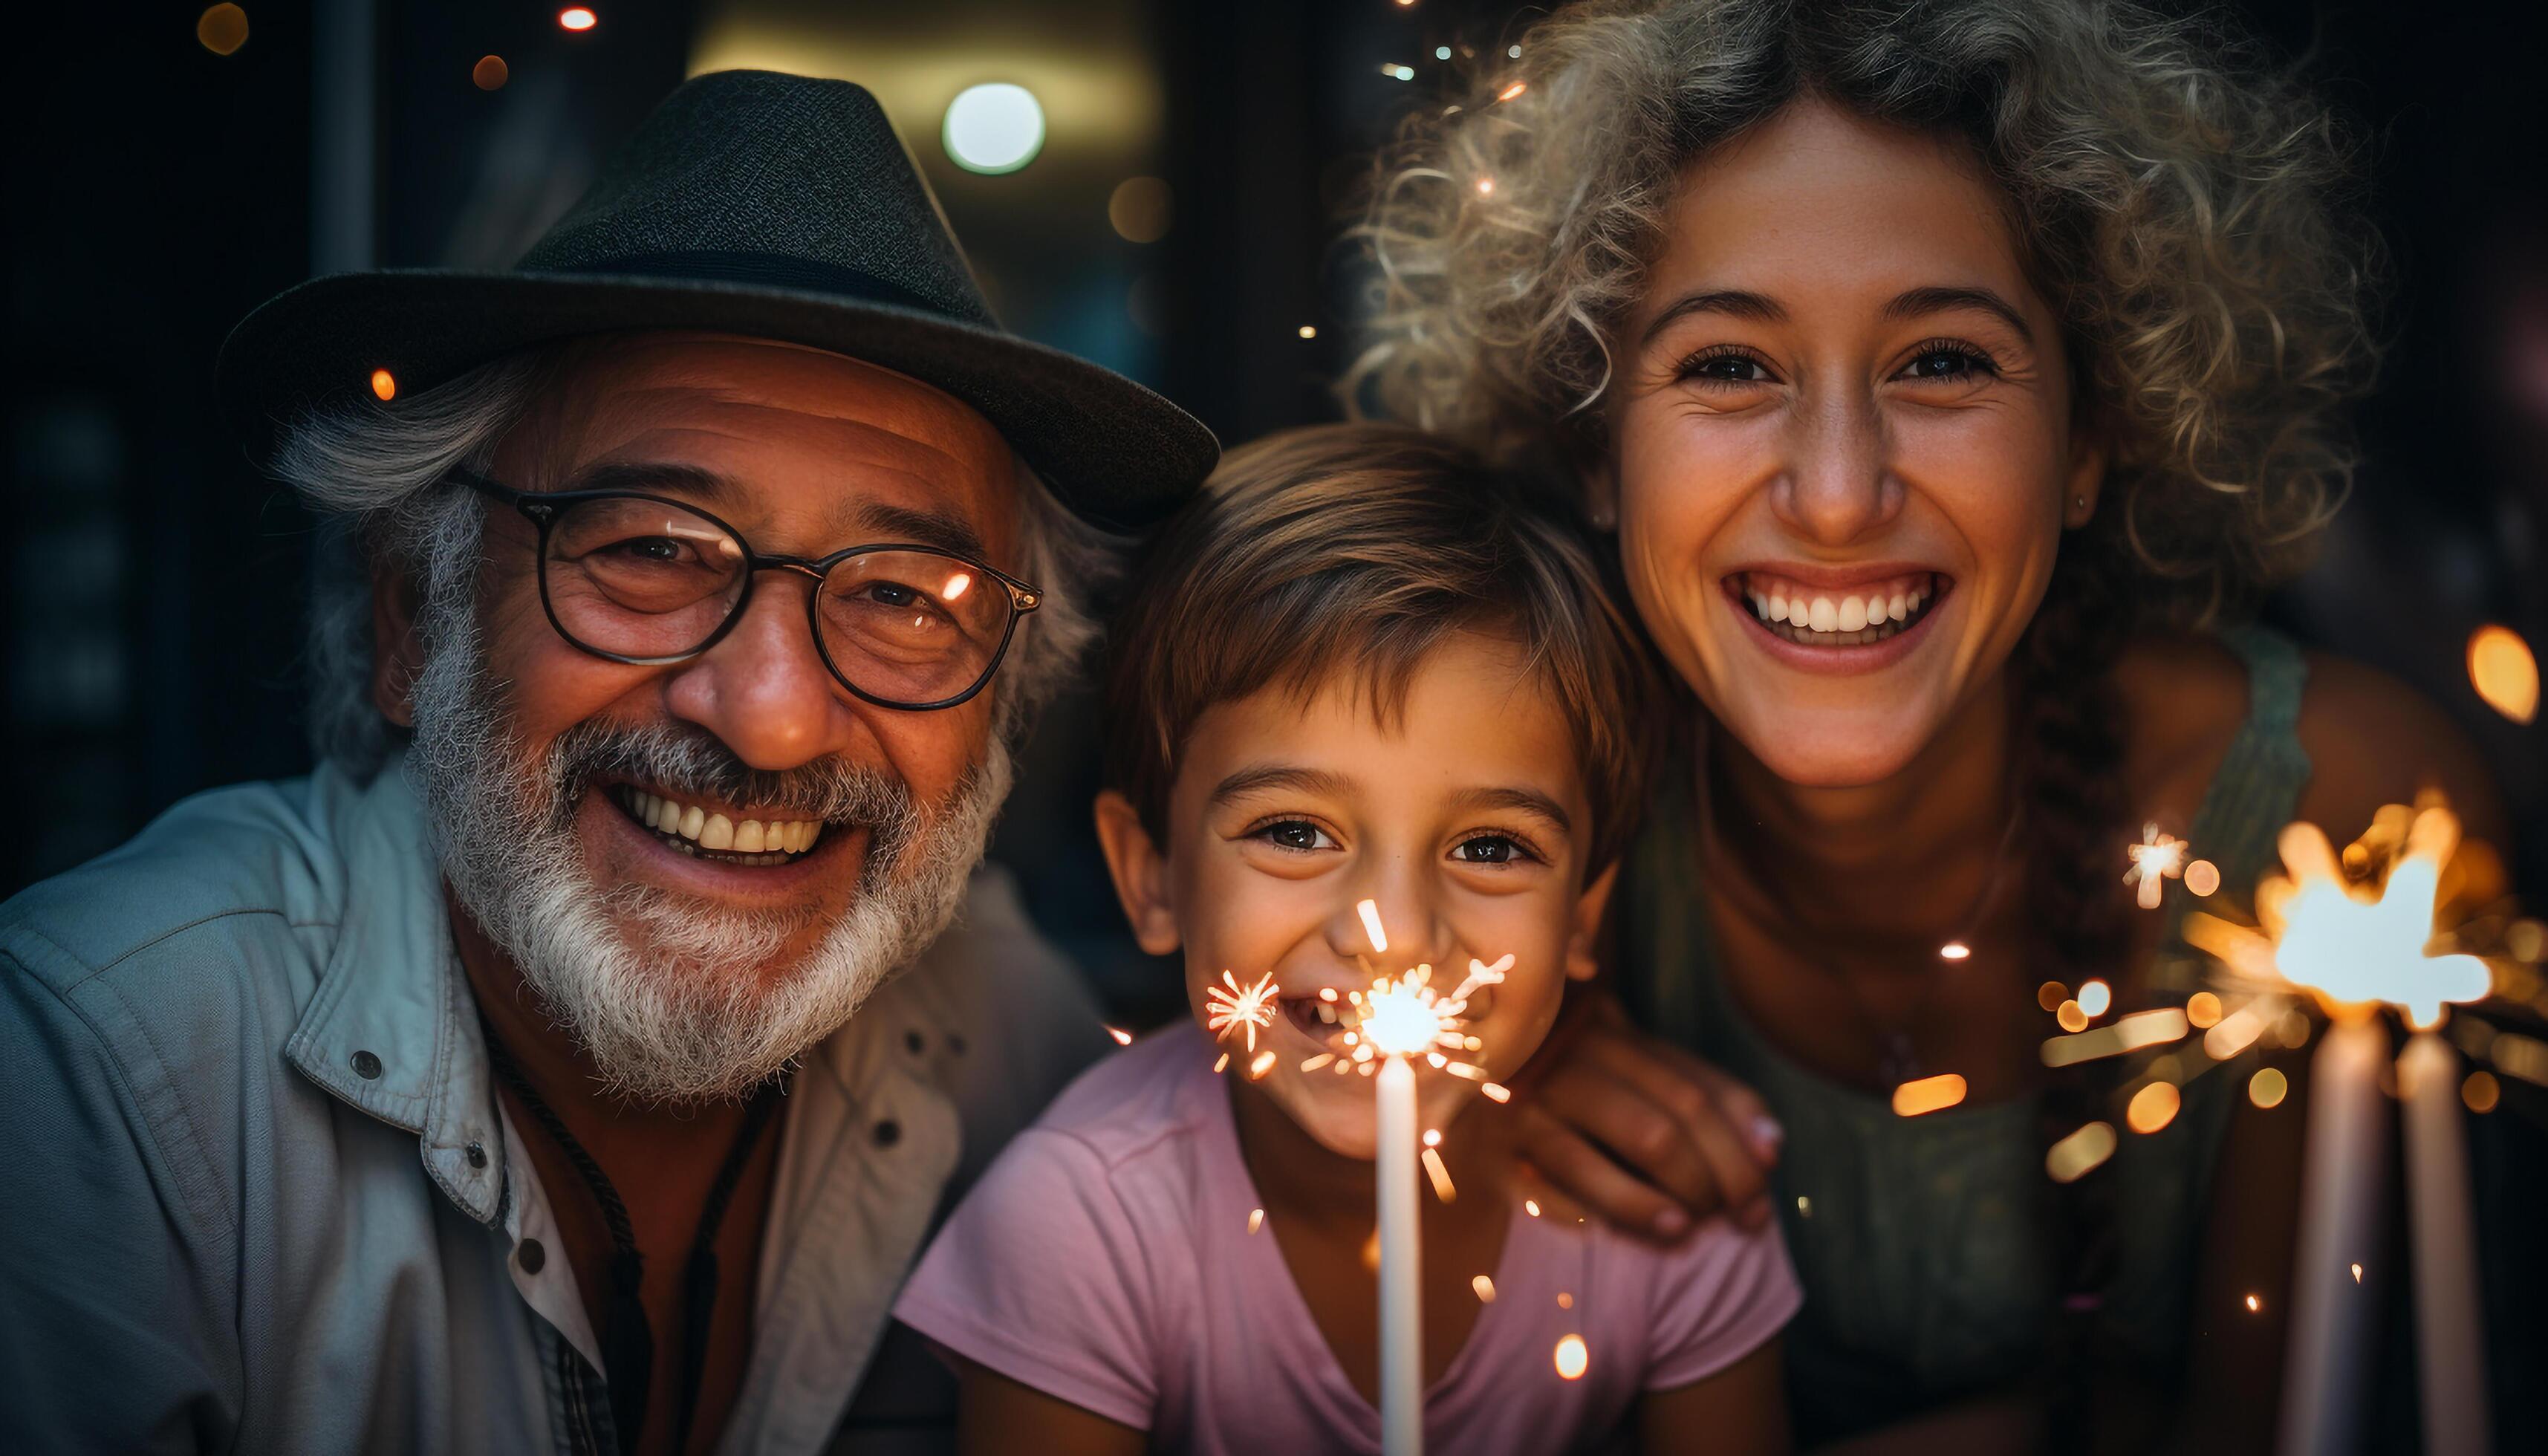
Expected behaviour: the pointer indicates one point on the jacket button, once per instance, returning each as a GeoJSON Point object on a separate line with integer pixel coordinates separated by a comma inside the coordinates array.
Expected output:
{"type": "Point", "coordinates": [531, 1256]}
{"type": "Point", "coordinates": [888, 1133]}
{"type": "Point", "coordinates": [367, 1066]}
{"type": "Point", "coordinates": [477, 1154]}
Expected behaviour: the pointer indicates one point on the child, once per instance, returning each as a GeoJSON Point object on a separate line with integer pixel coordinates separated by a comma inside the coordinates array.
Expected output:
{"type": "Point", "coordinates": [1361, 667]}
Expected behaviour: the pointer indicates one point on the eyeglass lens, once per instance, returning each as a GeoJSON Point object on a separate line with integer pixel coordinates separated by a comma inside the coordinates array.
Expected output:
{"type": "Point", "coordinates": [645, 578]}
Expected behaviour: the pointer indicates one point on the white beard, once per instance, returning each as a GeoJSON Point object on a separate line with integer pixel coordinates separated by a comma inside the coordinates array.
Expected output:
{"type": "Point", "coordinates": [675, 1000]}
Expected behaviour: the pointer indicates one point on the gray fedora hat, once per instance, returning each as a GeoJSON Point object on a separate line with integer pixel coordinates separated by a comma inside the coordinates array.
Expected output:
{"type": "Point", "coordinates": [752, 202]}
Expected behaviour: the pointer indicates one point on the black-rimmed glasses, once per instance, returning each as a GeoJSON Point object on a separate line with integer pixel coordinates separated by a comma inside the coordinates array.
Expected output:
{"type": "Point", "coordinates": [646, 580]}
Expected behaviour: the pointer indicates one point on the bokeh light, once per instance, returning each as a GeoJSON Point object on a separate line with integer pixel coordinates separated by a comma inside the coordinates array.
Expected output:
{"type": "Point", "coordinates": [2505, 674]}
{"type": "Point", "coordinates": [223, 29]}
{"type": "Point", "coordinates": [2203, 877]}
{"type": "Point", "coordinates": [1573, 1359]}
{"type": "Point", "coordinates": [993, 128]}
{"type": "Point", "coordinates": [491, 73]}
{"type": "Point", "coordinates": [2481, 1091]}
{"type": "Point", "coordinates": [2152, 1108]}
{"type": "Point", "coordinates": [2269, 1087]}
{"type": "Point", "coordinates": [1140, 209]}
{"type": "Point", "coordinates": [384, 385]}
{"type": "Point", "coordinates": [578, 18]}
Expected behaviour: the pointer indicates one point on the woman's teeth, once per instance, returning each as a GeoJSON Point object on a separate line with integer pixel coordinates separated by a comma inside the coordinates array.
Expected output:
{"type": "Point", "coordinates": [692, 828]}
{"type": "Point", "coordinates": [1822, 617]}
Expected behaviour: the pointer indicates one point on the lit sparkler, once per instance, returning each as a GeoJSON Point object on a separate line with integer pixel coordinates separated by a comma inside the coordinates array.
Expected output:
{"type": "Point", "coordinates": [2158, 858]}
{"type": "Point", "coordinates": [1231, 1008]}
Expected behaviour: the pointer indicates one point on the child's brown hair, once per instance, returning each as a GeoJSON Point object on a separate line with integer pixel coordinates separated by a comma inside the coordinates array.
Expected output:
{"type": "Point", "coordinates": [1359, 548]}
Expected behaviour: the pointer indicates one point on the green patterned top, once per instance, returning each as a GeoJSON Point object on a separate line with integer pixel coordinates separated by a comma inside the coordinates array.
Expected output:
{"type": "Point", "coordinates": [1922, 1244]}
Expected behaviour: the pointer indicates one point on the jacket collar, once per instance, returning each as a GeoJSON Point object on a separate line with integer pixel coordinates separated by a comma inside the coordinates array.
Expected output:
{"type": "Point", "coordinates": [393, 1030]}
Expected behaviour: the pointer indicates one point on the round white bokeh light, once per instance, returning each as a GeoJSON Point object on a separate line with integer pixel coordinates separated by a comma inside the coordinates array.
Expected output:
{"type": "Point", "coordinates": [994, 128]}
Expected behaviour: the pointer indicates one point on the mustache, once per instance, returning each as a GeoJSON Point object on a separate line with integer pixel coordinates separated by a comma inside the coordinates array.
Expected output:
{"type": "Point", "coordinates": [683, 760]}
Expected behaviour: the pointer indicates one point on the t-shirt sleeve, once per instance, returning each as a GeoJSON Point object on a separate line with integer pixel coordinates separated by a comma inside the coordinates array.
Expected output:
{"type": "Point", "coordinates": [1041, 1275]}
{"type": "Point", "coordinates": [1719, 1295]}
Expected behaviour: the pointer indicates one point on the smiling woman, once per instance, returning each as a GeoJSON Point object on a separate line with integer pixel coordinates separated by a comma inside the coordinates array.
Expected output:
{"type": "Point", "coordinates": [1956, 375]}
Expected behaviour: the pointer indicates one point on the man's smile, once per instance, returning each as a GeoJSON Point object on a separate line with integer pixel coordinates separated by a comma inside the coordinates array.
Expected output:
{"type": "Point", "coordinates": [718, 833]}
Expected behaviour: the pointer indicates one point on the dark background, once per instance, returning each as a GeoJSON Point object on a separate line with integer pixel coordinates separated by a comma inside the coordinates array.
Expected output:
{"type": "Point", "coordinates": [150, 621]}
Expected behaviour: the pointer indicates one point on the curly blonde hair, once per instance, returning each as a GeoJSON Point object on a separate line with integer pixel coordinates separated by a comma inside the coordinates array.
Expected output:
{"type": "Point", "coordinates": [2181, 201]}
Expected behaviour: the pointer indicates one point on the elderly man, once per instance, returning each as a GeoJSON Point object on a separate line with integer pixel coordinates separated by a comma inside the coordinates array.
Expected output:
{"type": "Point", "coordinates": [537, 1074]}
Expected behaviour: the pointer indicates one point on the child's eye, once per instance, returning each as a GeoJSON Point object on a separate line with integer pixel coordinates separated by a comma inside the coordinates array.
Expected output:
{"type": "Point", "coordinates": [1489, 848]}
{"type": "Point", "coordinates": [1726, 366]}
{"type": "Point", "coordinates": [1293, 834]}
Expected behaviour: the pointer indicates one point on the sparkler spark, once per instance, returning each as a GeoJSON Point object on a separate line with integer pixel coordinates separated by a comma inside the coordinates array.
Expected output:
{"type": "Point", "coordinates": [1232, 1008]}
{"type": "Point", "coordinates": [2159, 857]}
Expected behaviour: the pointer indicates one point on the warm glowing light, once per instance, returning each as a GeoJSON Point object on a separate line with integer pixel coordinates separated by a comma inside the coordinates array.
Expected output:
{"type": "Point", "coordinates": [1495, 1091]}
{"type": "Point", "coordinates": [1564, 1300]}
{"type": "Point", "coordinates": [1255, 1220]}
{"type": "Point", "coordinates": [2158, 858]}
{"type": "Point", "coordinates": [1140, 209]}
{"type": "Point", "coordinates": [2357, 1272]}
{"type": "Point", "coordinates": [2071, 1016]}
{"type": "Point", "coordinates": [2254, 1304]}
{"type": "Point", "coordinates": [2152, 1108]}
{"type": "Point", "coordinates": [1439, 1174]}
{"type": "Point", "coordinates": [1220, 1064]}
{"type": "Point", "coordinates": [1530, 1205]}
{"type": "Point", "coordinates": [2203, 877]}
{"type": "Point", "coordinates": [2354, 946]}
{"type": "Point", "coordinates": [2202, 1010]}
{"type": "Point", "coordinates": [1122, 1037]}
{"type": "Point", "coordinates": [1433, 1137]}
{"type": "Point", "coordinates": [490, 73]}
{"type": "Point", "coordinates": [1230, 1008]}
{"type": "Point", "coordinates": [957, 585]}
{"type": "Point", "coordinates": [993, 128]}
{"type": "Point", "coordinates": [1312, 1063]}
{"type": "Point", "coordinates": [1369, 910]}
{"type": "Point", "coordinates": [1928, 1094]}
{"type": "Point", "coordinates": [577, 18]}
{"type": "Point", "coordinates": [221, 29]}
{"type": "Point", "coordinates": [1512, 91]}
{"type": "Point", "coordinates": [2269, 1087]}
{"type": "Point", "coordinates": [1486, 187]}
{"type": "Point", "coordinates": [1309, 330]}
{"type": "Point", "coordinates": [1804, 1206]}
{"type": "Point", "coordinates": [1485, 1289]}
{"type": "Point", "coordinates": [1263, 1063]}
{"type": "Point", "coordinates": [2127, 1034]}
{"type": "Point", "coordinates": [2096, 998]}
{"type": "Point", "coordinates": [1955, 950]}
{"type": "Point", "coordinates": [2481, 1091]}
{"type": "Point", "coordinates": [1571, 1358]}
{"type": "Point", "coordinates": [2050, 995]}
{"type": "Point", "coordinates": [384, 385]}
{"type": "Point", "coordinates": [2077, 1155]}
{"type": "Point", "coordinates": [2503, 673]}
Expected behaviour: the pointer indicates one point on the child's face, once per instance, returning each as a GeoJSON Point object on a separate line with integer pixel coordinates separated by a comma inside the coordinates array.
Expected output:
{"type": "Point", "coordinates": [1466, 820]}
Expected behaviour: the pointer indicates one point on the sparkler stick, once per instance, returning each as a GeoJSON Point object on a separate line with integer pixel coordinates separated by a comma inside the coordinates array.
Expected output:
{"type": "Point", "coordinates": [1402, 1253]}
{"type": "Point", "coordinates": [2358, 950]}
{"type": "Point", "coordinates": [2448, 1339]}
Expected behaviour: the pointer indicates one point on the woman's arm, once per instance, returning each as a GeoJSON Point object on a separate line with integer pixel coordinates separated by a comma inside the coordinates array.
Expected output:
{"type": "Point", "coordinates": [1741, 1409]}
{"type": "Point", "coordinates": [996, 1416]}
{"type": "Point", "coordinates": [1645, 1136]}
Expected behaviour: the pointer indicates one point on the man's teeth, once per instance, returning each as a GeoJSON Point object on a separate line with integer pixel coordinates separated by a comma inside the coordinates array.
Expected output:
{"type": "Point", "coordinates": [1827, 619]}
{"type": "Point", "coordinates": [711, 830]}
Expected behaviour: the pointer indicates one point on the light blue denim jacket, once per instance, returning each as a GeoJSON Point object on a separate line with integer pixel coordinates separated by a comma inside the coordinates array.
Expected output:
{"type": "Point", "coordinates": [263, 1198]}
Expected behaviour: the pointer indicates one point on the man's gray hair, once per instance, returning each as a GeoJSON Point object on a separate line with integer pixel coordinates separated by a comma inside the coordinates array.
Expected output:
{"type": "Point", "coordinates": [377, 474]}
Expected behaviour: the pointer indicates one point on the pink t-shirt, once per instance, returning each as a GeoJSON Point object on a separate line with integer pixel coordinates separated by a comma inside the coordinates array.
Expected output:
{"type": "Point", "coordinates": [1105, 1258]}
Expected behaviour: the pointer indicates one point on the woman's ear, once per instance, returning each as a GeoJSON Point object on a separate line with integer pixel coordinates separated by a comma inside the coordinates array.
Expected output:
{"type": "Point", "coordinates": [2086, 477]}
{"type": "Point", "coordinates": [1141, 872]}
{"type": "Point", "coordinates": [1583, 934]}
{"type": "Point", "coordinates": [397, 653]}
{"type": "Point", "coordinates": [1601, 493]}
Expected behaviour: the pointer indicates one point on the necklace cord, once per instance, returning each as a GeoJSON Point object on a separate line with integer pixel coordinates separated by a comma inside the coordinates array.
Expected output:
{"type": "Point", "coordinates": [627, 1337]}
